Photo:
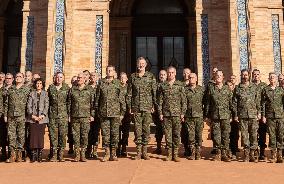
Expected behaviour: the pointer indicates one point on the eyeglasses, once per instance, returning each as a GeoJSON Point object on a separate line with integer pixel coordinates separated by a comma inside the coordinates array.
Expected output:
{"type": "Point", "coordinates": [8, 78]}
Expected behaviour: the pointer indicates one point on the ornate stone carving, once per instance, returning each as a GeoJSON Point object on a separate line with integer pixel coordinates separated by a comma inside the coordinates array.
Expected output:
{"type": "Point", "coordinates": [205, 49]}
{"type": "Point", "coordinates": [30, 43]}
{"type": "Point", "coordinates": [276, 44]}
{"type": "Point", "coordinates": [99, 44]}
{"type": "Point", "coordinates": [59, 36]}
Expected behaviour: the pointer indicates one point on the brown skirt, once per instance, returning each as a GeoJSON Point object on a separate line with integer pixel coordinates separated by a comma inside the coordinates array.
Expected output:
{"type": "Point", "coordinates": [37, 135]}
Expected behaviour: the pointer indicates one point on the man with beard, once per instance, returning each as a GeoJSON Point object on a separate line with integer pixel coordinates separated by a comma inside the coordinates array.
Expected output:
{"type": "Point", "coordinates": [141, 101]}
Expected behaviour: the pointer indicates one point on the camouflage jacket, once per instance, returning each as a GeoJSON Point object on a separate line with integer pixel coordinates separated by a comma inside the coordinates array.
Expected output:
{"type": "Point", "coordinates": [59, 105]}
{"type": "Point", "coordinates": [272, 102]}
{"type": "Point", "coordinates": [171, 99]}
{"type": "Point", "coordinates": [82, 102]}
{"type": "Point", "coordinates": [260, 86]}
{"type": "Point", "coordinates": [246, 101]}
{"type": "Point", "coordinates": [194, 101]}
{"type": "Point", "coordinates": [141, 92]}
{"type": "Point", "coordinates": [16, 101]}
{"type": "Point", "coordinates": [110, 100]}
{"type": "Point", "coordinates": [219, 103]}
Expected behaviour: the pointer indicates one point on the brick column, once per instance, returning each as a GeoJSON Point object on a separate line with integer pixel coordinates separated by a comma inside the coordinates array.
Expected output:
{"type": "Point", "coordinates": [2, 22]}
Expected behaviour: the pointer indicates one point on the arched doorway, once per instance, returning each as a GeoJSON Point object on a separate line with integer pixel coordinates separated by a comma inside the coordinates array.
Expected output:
{"type": "Point", "coordinates": [160, 34]}
{"type": "Point", "coordinates": [12, 37]}
{"type": "Point", "coordinates": [164, 31]}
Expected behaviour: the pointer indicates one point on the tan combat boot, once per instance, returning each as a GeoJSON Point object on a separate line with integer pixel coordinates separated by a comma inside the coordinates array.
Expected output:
{"type": "Point", "coordinates": [77, 155]}
{"type": "Point", "coordinates": [192, 153]}
{"type": "Point", "coordinates": [279, 156]}
{"type": "Point", "coordinates": [169, 155]}
{"type": "Point", "coordinates": [54, 155]}
{"type": "Point", "coordinates": [19, 156]}
{"type": "Point", "coordinates": [61, 156]}
{"type": "Point", "coordinates": [273, 156]}
{"type": "Point", "coordinates": [253, 156]}
{"type": "Point", "coordinates": [139, 153]}
{"type": "Point", "coordinates": [197, 153]}
{"type": "Point", "coordinates": [12, 157]}
{"type": "Point", "coordinates": [95, 152]}
{"type": "Point", "coordinates": [217, 155]}
{"type": "Point", "coordinates": [176, 157]}
{"type": "Point", "coordinates": [145, 153]}
{"type": "Point", "coordinates": [113, 156]}
{"type": "Point", "coordinates": [107, 155]}
{"type": "Point", "coordinates": [225, 157]}
{"type": "Point", "coordinates": [83, 155]}
{"type": "Point", "coordinates": [246, 154]}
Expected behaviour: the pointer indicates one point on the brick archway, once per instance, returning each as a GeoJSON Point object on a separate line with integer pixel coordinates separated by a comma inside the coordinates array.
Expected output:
{"type": "Point", "coordinates": [122, 34]}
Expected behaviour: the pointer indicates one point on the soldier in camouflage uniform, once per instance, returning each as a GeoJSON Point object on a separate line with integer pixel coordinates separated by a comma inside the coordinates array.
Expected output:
{"type": "Point", "coordinates": [29, 84]}
{"type": "Point", "coordinates": [246, 108]}
{"type": "Point", "coordinates": [172, 107]}
{"type": "Point", "coordinates": [69, 134]}
{"type": "Point", "coordinates": [194, 116]}
{"type": "Point", "coordinates": [184, 131]}
{"type": "Point", "coordinates": [272, 103]}
{"type": "Point", "coordinates": [110, 104]}
{"type": "Point", "coordinates": [262, 126]}
{"type": "Point", "coordinates": [141, 100]}
{"type": "Point", "coordinates": [58, 117]}
{"type": "Point", "coordinates": [211, 83]}
{"type": "Point", "coordinates": [3, 134]}
{"type": "Point", "coordinates": [14, 115]}
{"type": "Point", "coordinates": [235, 131]}
{"type": "Point", "coordinates": [82, 113]}
{"type": "Point", "coordinates": [156, 118]}
{"type": "Point", "coordinates": [94, 133]}
{"type": "Point", "coordinates": [124, 127]}
{"type": "Point", "coordinates": [9, 79]}
{"type": "Point", "coordinates": [218, 110]}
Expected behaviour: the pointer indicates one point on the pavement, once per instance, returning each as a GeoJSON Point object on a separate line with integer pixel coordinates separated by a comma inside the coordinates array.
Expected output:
{"type": "Point", "coordinates": [154, 171]}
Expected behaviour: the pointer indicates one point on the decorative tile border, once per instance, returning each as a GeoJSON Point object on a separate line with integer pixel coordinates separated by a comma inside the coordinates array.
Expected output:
{"type": "Point", "coordinates": [276, 44]}
{"type": "Point", "coordinates": [99, 44]}
{"type": "Point", "coordinates": [243, 34]}
{"type": "Point", "coordinates": [205, 49]}
{"type": "Point", "coordinates": [30, 43]}
{"type": "Point", "coordinates": [59, 36]}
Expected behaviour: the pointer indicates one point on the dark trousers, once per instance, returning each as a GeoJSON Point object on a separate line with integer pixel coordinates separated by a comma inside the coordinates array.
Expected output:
{"type": "Point", "coordinates": [37, 132]}
{"type": "Point", "coordinates": [234, 137]}
{"type": "Point", "coordinates": [262, 135]}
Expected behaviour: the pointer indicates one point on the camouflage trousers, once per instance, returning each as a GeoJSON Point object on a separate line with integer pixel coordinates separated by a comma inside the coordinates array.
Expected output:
{"type": "Point", "coordinates": [221, 135]}
{"type": "Point", "coordinates": [276, 133]}
{"type": "Point", "coordinates": [262, 130]}
{"type": "Point", "coordinates": [249, 129]}
{"type": "Point", "coordinates": [194, 128]}
{"type": "Point", "coordinates": [159, 127]}
{"type": "Point", "coordinates": [124, 129]}
{"type": "Point", "coordinates": [110, 132]}
{"type": "Point", "coordinates": [94, 133]}
{"type": "Point", "coordinates": [172, 128]}
{"type": "Point", "coordinates": [142, 123]}
{"type": "Point", "coordinates": [57, 132]}
{"type": "Point", "coordinates": [16, 133]}
{"type": "Point", "coordinates": [80, 131]}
